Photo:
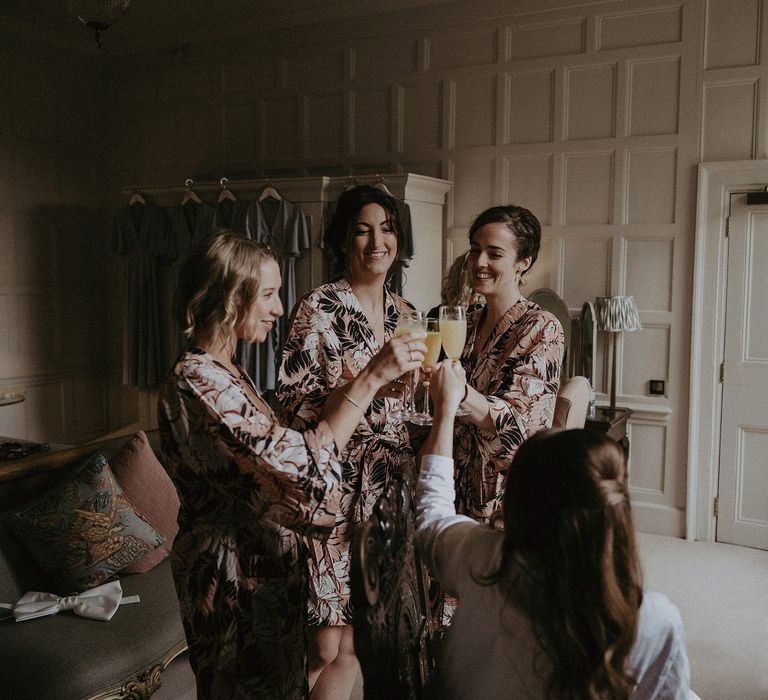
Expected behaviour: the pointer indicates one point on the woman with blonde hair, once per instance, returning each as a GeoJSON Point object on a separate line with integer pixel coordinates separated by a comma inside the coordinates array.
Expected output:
{"type": "Point", "coordinates": [457, 289]}
{"type": "Point", "coordinates": [249, 487]}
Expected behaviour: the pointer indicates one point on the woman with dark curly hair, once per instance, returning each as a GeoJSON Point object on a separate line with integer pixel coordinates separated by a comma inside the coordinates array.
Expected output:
{"type": "Point", "coordinates": [552, 605]}
{"type": "Point", "coordinates": [336, 330]}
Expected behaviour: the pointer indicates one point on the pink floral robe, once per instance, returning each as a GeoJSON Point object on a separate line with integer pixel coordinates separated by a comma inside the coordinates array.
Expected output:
{"type": "Point", "coordinates": [518, 370]}
{"type": "Point", "coordinates": [328, 344]}
{"type": "Point", "coordinates": [247, 486]}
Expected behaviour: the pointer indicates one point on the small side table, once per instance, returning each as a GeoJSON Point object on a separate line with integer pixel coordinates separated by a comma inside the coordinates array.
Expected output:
{"type": "Point", "coordinates": [614, 425]}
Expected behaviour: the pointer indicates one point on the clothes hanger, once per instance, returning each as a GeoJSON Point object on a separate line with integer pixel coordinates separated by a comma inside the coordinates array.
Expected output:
{"type": "Point", "coordinates": [189, 193]}
{"type": "Point", "coordinates": [136, 198]}
{"type": "Point", "coordinates": [225, 193]}
{"type": "Point", "coordinates": [270, 191]}
{"type": "Point", "coordinates": [381, 186]}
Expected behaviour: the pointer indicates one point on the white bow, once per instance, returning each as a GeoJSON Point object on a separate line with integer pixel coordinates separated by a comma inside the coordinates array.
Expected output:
{"type": "Point", "coordinates": [99, 603]}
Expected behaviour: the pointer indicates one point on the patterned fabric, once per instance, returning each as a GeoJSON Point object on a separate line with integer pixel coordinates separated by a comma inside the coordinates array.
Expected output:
{"type": "Point", "coordinates": [85, 529]}
{"type": "Point", "coordinates": [247, 486]}
{"type": "Point", "coordinates": [145, 481]}
{"type": "Point", "coordinates": [329, 342]}
{"type": "Point", "coordinates": [518, 370]}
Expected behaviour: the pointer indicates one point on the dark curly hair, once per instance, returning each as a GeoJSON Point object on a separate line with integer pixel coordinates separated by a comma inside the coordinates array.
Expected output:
{"type": "Point", "coordinates": [339, 233]}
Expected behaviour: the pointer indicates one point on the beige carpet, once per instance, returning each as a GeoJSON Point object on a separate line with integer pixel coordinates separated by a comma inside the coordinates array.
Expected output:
{"type": "Point", "coordinates": [722, 593]}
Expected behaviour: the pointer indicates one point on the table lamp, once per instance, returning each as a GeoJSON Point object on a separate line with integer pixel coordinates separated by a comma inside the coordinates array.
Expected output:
{"type": "Point", "coordinates": [614, 315]}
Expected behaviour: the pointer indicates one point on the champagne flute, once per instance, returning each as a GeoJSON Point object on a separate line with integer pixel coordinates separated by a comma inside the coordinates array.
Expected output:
{"type": "Point", "coordinates": [453, 333]}
{"type": "Point", "coordinates": [408, 322]}
{"type": "Point", "coordinates": [430, 360]}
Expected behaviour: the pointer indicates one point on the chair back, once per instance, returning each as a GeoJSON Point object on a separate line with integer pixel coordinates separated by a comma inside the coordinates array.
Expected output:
{"type": "Point", "coordinates": [572, 403]}
{"type": "Point", "coordinates": [389, 598]}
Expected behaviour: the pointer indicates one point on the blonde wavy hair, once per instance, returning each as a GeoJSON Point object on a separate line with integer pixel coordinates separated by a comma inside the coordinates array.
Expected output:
{"type": "Point", "coordinates": [457, 287]}
{"type": "Point", "coordinates": [218, 283]}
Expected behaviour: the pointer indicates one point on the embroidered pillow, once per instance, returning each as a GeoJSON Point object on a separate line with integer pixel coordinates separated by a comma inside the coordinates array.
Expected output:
{"type": "Point", "coordinates": [85, 529]}
{"type": "Point", "coordinates": [145, 481]}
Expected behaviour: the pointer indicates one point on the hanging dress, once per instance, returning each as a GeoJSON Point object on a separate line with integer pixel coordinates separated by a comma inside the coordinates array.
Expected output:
{"type": "Point", "coordinates": [283, 226]}
{"type": "Point", "coordinates": [190, 224]}
{"type": "Point", "coordinates": [231, 214]}
{"type": "Point", "coordinates": [140, 235]}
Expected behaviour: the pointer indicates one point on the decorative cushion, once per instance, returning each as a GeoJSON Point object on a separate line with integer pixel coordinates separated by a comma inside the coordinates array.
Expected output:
{"type": "Point", "coordinates": [84, 529]}
{"type": "Point", "coordinates": [147, 484]}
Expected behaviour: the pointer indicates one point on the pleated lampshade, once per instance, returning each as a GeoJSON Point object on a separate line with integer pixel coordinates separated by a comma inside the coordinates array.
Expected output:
{"type": "Point", "coordinates": [614, 315]}
{"type": "Point", "coordinates": [617, 314]}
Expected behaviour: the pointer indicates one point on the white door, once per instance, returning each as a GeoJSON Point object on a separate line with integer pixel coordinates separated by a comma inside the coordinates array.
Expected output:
{"type": "Point", "coordinates": [743, 479]}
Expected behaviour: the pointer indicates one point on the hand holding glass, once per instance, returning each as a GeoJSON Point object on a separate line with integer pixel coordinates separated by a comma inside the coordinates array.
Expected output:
{"type": "Point", "coordinates": [453, 332]}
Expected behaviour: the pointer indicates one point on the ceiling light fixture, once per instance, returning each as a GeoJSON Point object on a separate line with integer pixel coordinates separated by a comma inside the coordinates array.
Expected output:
{"type": "Point", "coordinates": [98, 14]}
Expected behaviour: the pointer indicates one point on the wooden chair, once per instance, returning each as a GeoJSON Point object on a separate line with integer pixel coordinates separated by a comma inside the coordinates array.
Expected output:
{"type": "Point", "coordinates": [393, 634]}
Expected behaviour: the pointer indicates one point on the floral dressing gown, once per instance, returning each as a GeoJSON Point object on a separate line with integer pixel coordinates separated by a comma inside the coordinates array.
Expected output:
{"type": "Point", "coordinates": [247, 486]}
{"type": "Point", "coordinates": [518, 370]}
{"type": "Point", "coordinates": [329, 342]}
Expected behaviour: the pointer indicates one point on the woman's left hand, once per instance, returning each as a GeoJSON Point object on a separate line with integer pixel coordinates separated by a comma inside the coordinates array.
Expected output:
{"type": "Point", "coordinates": [447, 384]}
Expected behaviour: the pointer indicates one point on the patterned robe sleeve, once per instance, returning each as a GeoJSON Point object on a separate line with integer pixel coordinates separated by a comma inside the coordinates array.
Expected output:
{"type": "Point", "coordinates": [521, 402]}
{"type": "Point", "coordinates": [296, 475]}
{"type": "Point", "coordinates": [311, 366]}
{"type": "Point", "coordinates": [524, 401]}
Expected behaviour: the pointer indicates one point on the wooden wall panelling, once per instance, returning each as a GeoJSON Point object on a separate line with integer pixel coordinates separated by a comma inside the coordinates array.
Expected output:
{"type": "Point", "coordinates": [730, 109]}
{"type": "Point", "coordinates": [576, 112]}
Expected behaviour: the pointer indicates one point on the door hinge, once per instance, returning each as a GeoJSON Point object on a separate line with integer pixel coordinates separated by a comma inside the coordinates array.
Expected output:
{"type": "Point", "coordinates": [727, 226]}
{"type": "Point", "coordinates": [722, 372]}
{"type": "Point", "coordinates": [716, 506]}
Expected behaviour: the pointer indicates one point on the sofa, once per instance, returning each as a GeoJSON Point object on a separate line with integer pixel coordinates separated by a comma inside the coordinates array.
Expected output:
{"type": "Point", "coordinates": [140, 651]}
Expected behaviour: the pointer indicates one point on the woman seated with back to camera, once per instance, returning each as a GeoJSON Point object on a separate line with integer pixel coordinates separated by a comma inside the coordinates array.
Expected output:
{"type": "Point", "coordinates": [553, 605]}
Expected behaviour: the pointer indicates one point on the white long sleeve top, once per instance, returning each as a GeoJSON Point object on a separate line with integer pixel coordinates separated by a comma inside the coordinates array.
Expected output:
{"type": "Point", "coordinates": [491, 650]}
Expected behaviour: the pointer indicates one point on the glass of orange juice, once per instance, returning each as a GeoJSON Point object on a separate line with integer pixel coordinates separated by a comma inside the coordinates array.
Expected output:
{"type": "Point", "coordinates": [432, 341]}
{"type": "Point", "coordinates": [453, 333]}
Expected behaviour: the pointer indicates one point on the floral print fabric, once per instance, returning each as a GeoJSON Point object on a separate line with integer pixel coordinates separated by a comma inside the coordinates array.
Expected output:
{"type": "Point", "coordinates": [247, 486]}
{"type": "Point", "coordinates": [518, 370]}
{"type": "Point", "coordinates": [329, 342]}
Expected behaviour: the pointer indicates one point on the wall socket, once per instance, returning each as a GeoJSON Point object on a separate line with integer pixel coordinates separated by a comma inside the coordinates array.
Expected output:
{"type": "Point", "coordinates": [656, 387]}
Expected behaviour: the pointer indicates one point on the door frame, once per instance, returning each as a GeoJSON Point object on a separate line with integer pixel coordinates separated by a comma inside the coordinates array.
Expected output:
{"type": "Point", "coordinates": [716, 183]}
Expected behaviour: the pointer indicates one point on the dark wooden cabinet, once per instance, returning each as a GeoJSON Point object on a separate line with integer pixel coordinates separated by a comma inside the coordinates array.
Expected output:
{"type": "Point", "coordinates": [613, 424]}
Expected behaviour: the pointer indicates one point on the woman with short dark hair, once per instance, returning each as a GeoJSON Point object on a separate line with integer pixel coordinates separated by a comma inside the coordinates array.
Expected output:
{"type": "Point", "coordinates": [249, 487]}
{"type": "Point", "coordinates": [512, 356]}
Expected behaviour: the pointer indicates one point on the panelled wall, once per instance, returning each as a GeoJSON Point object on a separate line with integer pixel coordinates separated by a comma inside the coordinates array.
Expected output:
{"type": "Point", "coordinates": [586, 115]}
{"type": "Point", "coordinates": [51, 228]}
{"type": "Point", "coordinates": [593, 115]}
